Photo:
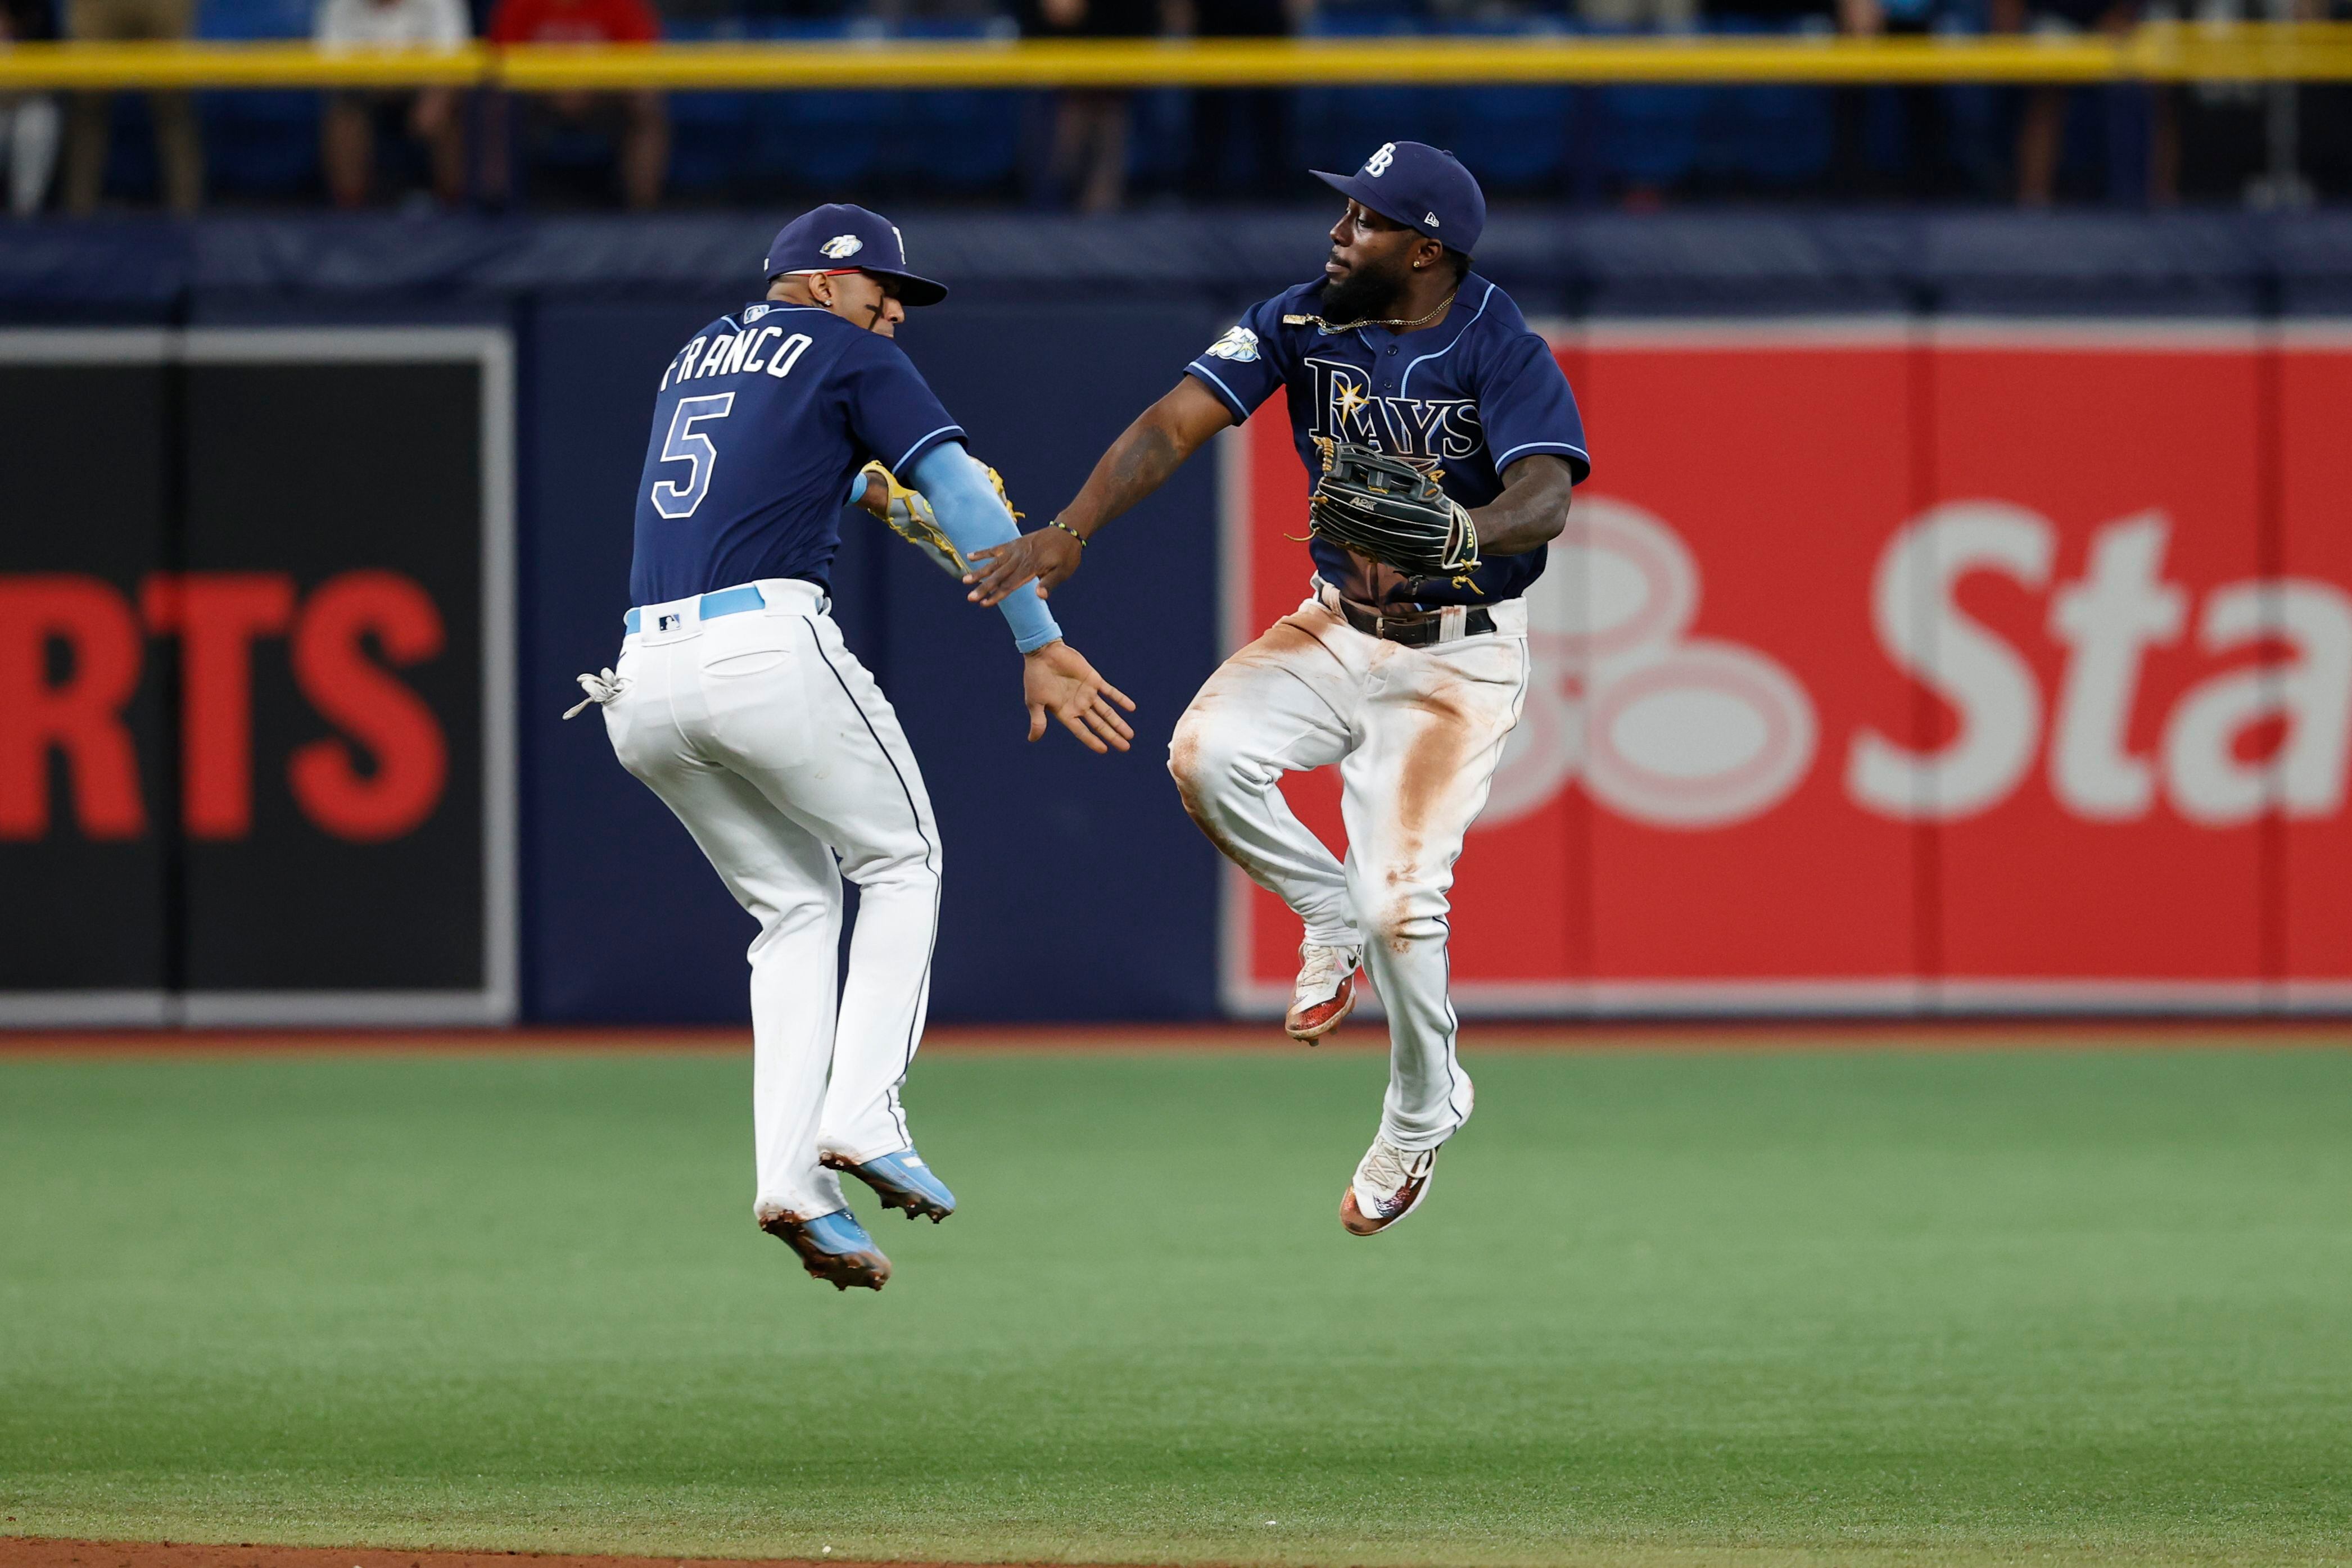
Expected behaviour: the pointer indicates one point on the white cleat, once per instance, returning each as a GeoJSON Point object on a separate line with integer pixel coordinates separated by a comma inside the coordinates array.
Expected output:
{"type": "Point", "coordinates": [1326, 992]}
{"type": "Point", "coordinates": [1390, 1184]}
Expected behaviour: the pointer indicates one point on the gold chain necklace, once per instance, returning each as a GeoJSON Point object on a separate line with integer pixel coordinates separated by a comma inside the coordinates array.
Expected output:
{"type": "Point", "coordinates": [1329, 330]}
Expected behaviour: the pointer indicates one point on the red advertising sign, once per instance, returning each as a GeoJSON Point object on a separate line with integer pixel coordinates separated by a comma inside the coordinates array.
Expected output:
{"type": "Point", "coordinates": [1996, 667]}
{"type": "Point", "coordinates": [256, 604]}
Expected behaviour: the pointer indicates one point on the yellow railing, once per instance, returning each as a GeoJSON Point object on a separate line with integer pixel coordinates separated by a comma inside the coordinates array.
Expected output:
{"type": "Point", "coordinates": [2163, 52]}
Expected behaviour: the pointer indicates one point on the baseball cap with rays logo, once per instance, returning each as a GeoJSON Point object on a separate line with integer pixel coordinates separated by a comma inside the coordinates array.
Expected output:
{"type": "Point", "coordinates": [1423, 187]}
{"type": "Point", "coordinates": [838, 237]}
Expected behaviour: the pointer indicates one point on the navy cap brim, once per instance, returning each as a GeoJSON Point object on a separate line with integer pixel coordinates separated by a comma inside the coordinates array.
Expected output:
{"type": "Point", "coordinates": [1364, 191]}
{"type": "Point", "coordinates": [913, 290]}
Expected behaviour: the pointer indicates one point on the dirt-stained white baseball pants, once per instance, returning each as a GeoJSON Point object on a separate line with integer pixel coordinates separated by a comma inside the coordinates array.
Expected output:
{"type": "Point", "coordinates": [1417, 733]}
{"type": "Point", "coordinates": [779, 753]}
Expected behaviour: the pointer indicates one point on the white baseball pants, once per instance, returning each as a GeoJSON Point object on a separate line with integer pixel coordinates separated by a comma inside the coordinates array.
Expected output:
{"type": "Point", "coordinates": [1417, 733]}
{"type": "Point", "coordinates": [776, 749]}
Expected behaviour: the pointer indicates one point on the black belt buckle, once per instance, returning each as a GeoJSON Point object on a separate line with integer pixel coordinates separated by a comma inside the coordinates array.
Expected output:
{"type": "Point", "coordinates": [1419, 632]}
{"type": "Point", "coordinates": [1416, 634]}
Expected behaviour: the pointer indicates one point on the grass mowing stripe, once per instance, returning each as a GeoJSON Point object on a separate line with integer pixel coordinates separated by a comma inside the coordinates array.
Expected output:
{"type": "Point", "coordinates": [1912, 1307]}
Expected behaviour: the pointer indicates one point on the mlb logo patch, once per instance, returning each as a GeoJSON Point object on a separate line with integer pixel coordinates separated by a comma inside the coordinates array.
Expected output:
{"type": "Point", "coordinates": [669, 622]}
{"type": "Point", "coordinates": [753, 313]}
{"type": "Point", "coordinates": [1240, 343]}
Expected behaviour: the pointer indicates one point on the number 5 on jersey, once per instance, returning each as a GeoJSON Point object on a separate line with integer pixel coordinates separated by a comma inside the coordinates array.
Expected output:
{"type": "Point", "coordinates": [686, 445]}
{"type": "Point", "coordinates": [730, 356]}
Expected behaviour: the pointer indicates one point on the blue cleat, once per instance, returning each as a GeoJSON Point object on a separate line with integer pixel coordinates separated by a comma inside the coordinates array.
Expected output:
{"type": "Point", "coordinates": [833, 1248]}
{"type": "Point", "coordinates": [902, 1181]}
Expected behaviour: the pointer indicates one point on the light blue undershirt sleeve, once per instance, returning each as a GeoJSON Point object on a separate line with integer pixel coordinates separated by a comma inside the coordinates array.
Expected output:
{"type": "Point", "coordinates": [973, 519]}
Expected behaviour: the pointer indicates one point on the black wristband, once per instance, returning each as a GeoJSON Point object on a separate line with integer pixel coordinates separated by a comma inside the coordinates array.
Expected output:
{"type": "Point", "coordinates": [1057, 523]}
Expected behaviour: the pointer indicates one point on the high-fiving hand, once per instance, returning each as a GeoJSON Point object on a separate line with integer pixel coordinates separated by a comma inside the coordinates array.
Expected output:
{"type": "Point", "coordinates": [1047, 554]}
{"type": "Point", "coordinates": [1057, 680]}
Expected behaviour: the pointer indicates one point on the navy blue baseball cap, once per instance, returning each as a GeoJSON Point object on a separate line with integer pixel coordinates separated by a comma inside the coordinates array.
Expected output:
{"type": "Point", "coordinates": [836, 237]}
{"type": "Point", "coordinates": [1423, 187]}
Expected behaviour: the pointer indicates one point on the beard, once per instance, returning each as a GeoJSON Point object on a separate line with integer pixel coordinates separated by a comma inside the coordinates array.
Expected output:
{"type": "Point", "coordinates": [1363, 295]}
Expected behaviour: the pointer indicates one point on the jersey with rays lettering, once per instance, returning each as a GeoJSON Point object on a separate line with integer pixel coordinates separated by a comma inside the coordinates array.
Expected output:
{"type": "Point", "coordinates": [1465, 399]}
{"type": "Point", "coordinates": [758, 425]}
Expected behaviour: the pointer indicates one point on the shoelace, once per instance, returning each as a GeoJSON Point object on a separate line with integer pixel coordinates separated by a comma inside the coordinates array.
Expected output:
{"type": "Point", "coordinates": [1389, 1168]}
{"type": "Point", "coordinates": [602, 688]}
{"type": "Point", "coordinates": [1323, 966]}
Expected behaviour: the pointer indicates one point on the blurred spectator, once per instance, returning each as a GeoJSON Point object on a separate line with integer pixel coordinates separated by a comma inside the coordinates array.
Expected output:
{"type": "Point", "coordinates": [1640, 15]}
{"type": "Point", "coordinates": [1861, 17]}
{"type": "Point", "coordinates": [177, 152]}
{"type": "Point", "coordinates": [1927, 168]}
{"type": "Point", "coordinates": [28, 123]}
{"type": "Point", "coordinates": [1254, 122]}
{"type": "Point", "coordinates": [2259, 143]}
{"type": "Point", "coordinates": [639, 119]}
{"type": "Point", "coordinates": [432, 115]}
{"type": "Point", "coordinates": [2042, 126]}
{"type": "Point", "coordinates": [2325, 131]}
{"type": "Point", "coordinates": [1087, 155]}
{"type": "Point", "coordinates": [896, 13]}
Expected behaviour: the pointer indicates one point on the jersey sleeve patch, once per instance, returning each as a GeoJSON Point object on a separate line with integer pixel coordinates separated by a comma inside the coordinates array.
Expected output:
{"type": "Point", "coordinates": [1239, 344]}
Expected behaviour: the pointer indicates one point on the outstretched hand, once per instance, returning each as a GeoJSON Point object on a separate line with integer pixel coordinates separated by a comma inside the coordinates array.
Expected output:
{"type": "Point", "coordinates": [1046, 554]}
{"type": "Point", "coordinates": [1056, 679]}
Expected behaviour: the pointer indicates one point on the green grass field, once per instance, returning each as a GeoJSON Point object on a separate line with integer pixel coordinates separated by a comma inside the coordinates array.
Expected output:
{"type": "Point", "coordinates": [1758, 1307]}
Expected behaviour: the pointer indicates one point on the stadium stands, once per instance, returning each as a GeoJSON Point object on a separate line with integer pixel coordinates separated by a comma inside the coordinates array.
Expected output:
{"type": "Point", "coordinates": [1634, 142]}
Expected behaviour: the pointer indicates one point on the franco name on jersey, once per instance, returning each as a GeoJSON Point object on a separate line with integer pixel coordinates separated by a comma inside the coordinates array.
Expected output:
{"type": "Point", "coordinates": [754, 349]}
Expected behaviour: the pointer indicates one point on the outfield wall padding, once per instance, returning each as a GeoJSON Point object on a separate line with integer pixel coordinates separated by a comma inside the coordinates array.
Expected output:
{"type": "Point", "coordinates": [1075, 887]}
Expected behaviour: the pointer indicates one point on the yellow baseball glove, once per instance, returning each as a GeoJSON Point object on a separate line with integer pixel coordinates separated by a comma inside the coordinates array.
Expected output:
{"type": "Point", "coordinates": [910, 516]}
{"type": "Point", "coordinates": [996, 482]}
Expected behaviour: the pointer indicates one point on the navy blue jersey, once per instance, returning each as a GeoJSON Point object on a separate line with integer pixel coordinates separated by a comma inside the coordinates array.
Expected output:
{"type": "Point", "coordinates": [1465, 399]}
{"type": "Point", "coordinates": [761, 422]}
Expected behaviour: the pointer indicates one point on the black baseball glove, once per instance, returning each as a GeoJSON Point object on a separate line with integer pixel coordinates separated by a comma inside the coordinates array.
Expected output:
{"type": "Point", "coordinates": [1384, 507]}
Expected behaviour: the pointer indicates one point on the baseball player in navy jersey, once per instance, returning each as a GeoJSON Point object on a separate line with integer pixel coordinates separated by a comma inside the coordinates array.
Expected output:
{"type": "Point", "coordinates": [1409, 684]}
{"type": "Point", "coordinates": [735, 701]}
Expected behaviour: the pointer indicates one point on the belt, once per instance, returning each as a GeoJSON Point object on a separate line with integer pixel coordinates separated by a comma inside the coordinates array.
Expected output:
{"type": "Point", "coordinates": [1418, 629]}
{"type": "Point", "coordinates": [709, 607]}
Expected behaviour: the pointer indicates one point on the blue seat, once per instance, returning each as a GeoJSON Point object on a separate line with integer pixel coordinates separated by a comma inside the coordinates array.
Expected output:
{"type": "Point", "coordinates": [1514, 138]}
{"type": "Point", "coordinates": [819, 143]}
{"type": "Point", "coordinates": [957, 142]}
{"type": "Point", "coordinates": [1339, 127]}
{"type": "Point", "coordinates": [1642, 135]}
{"type": "Point", "coordinates": [1765, 135]}
{"type": "Point", "coordinates": [1159, 138]}
{"type": "Point", "coordinates": [1639, 135]}
{"type": "Point", "coordinates": [1648, 135]}
{"type": "Point", "coordinates": [711, 132]}
{"type": "Point", "coordinates": [259, 143]}
{"type": "Point", "coordinates": [247, 19]}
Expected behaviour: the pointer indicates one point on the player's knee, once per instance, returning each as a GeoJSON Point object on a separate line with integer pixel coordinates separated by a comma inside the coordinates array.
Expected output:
{"type": "Point", "coordinates": [1398, 927]}
{"type": "Point", "coordinates": [1199, 758]}
{"type": "Point", "coordinates": [913, 864]}
{"type": "Point", "coordinates": [1401, 910]}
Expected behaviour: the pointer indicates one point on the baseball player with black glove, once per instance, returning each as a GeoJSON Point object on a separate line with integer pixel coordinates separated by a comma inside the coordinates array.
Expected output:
{"type": "Point", "coordinates": [1441, 443]}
